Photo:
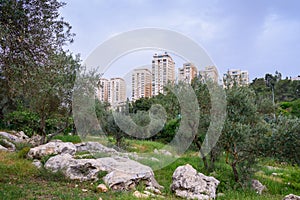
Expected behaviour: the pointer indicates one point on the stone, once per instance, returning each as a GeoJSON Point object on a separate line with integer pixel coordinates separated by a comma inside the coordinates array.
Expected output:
{"type": "Point", "coordinates": [11, 137]}
{"type": "Point", "coordinates": [37, 163]}
{"type": "Point", "coordinates": [153, 189]}
{"type": "Point", "coordinates": [2, 148]}
{"type": "Point", "coordinates": [22, 135]}
{"type": "Point", "coordinates": [102, 188]}
{"type": "Point", "coordinates": [140, 195]}
{"type": "Point", "coordinates": [94, 147]}
{"type": "Point", "coordinates": [125, 174]}
{"type": "Point", "coordinates": [163, 152]}
{"type": "Point", "coordinates": [75, 169]}
{"type": "Point", "coordinates": [153, 195]}
{"type": "Point", "coordinates": [35, 140]}
{"type": "Point", "coordinates": [10, 146]}
{"type": "Point", "coordinates": [258, 186]}
{"type": "Point", "coordinates": [188, 183]}
{"type": "Point", "coordinates": [291, 197]}
{"type": "Point", "coordinates": [52, 148]}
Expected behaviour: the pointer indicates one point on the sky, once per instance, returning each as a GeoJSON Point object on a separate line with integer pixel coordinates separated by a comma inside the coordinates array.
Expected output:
{"type": "Point", "coordinates": [260, 36]}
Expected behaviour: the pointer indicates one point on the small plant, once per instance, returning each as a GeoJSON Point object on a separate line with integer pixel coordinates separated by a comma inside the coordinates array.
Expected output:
{"type": "Point", "coordinates": [23, 152]}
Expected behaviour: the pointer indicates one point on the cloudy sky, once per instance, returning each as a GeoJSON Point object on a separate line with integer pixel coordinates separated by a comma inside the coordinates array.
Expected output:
{"type": "Point", "coordinates": [260, 36]}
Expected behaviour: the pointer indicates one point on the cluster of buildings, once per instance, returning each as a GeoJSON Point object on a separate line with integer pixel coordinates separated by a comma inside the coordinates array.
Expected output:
{"type": "Point", "coordinates": [148, 83]}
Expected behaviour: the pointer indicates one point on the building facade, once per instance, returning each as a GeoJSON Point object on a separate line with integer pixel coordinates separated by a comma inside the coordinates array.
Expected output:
{"type": "Point", "coordinates": [187, 73]}
{"type": "Point", "coordinates": [210, 73]}
{"type": "Point", "coordinates": [163, 72]}
{"type": "Point", "coordinates": [112, 91]}
{"type": "Point", "coordinates": [103, 90]}
{"type": "Point", "coordinates": [141, 83]}
{"type": "Point", "coordinates": [236, 76]}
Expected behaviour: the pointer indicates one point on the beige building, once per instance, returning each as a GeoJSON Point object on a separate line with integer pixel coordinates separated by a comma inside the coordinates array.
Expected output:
{"type": "Point", "coordinates": [187, 73]}
{"type": "Point", "coordinates": [210, 73]}
{"type": "Point", "coordinates": [163, 71]}
{"type": "Point", "coordinates": [236, 76]}
{"type": "Point", "coordinates": [116, 91]}
{"type": "Point", "coordinates": [112, 91]}
{"type": "Point", "coordinates": [141, 83]}
{"type": "Point", "coordinates": [103, 90]}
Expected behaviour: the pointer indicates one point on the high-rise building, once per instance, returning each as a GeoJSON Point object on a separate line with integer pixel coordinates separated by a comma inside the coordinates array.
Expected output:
{"type": "Point", "coordinates": [112, 91]}
{"type": "Point", "coordinates": [187, 73]}
{"type": "Point", "coordinates": [210, 73]}
{"type": "Point", "coordinates": [236, 76]}
{"type": "Point", "coordinates": [163, 71]}
{"type": "Point", "coordinates": [141, 83]}
{"type": "Point", "coordinates": [116, 91]}
{"type": "Point", "coordinates": [103, 90]}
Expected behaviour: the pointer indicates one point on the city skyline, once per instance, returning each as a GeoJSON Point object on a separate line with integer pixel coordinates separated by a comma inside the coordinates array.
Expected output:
{"type": "Point", "coordinates": [232, 35]}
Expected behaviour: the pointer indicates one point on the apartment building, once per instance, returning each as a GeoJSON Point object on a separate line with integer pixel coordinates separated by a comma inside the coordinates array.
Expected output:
{"type": "Point", "coordinates": [163, 71]}
{"type": "Point", "coordinates": [187, 73]}
{"type": "Point", "coordinates": [236, 76]}
{"type": "Point", "coordinates": [112, 91]}
{"type": "Point", "coordinates": [141, 83]}
{"type": "Point", "coordinates": [210, 73]}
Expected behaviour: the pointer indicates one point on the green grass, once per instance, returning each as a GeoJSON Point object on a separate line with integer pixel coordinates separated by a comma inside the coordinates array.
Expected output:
{"type": "Point", "coordinates": [19, 179]}
{"type": "Point", "coordinates": [68, 138]}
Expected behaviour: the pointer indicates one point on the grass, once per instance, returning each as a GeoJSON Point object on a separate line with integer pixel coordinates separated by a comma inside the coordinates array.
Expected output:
{"type": "Point", "coordinates": [19, 179]}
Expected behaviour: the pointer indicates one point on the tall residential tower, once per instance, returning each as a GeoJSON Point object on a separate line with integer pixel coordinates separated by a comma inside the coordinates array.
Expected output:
{"type": "Point", "coordinates": [141, 83]}
{"type": "Point", "coordinates": [163, 72]}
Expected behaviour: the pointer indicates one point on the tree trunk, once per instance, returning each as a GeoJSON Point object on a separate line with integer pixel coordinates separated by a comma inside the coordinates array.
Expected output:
{"type": "Point", "coordinates": [43, 129]}
{"type": "Point", "coordinates": [235, 172]}
{"type": "Point", "coordinates": [202, 155]}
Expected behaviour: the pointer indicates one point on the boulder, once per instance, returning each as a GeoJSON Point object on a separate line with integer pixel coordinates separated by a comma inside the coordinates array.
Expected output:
{"type": "Point", "coordinates": [291, 197]}
{"type": "Point", "coordinates": [258, 186]}
{"type": "Point", "coordinates": [10, 146]}
{"type": "Point", "coordinates": [188, 183]}
{"type": "Point", "coordinates": [11, 137]}
{"type": "Point", "coordinates": [22, 135]}
{"type": "Point", "coordinates": [94, 147]}
{"type": "Point", "coordinates": [52, 148]}
{"type": "Point", "coordinates": [35, 140]}
{"type": "Point", "coordinates": [123, 174]}
{"type": "Point", "coordinates": [2, 148]}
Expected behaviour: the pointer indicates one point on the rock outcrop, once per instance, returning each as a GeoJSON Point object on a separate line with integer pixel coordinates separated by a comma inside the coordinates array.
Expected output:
{"type": "Point", "coordinates": [2, 148]}
{"type": "Point", "coordinates": [291, 197]}
{"type": "Point", "coordinates": [123, 174]}
{"type": "Point", "coordinates": [52, 148]}
{"type": "Point", "coordinates": [188, 183]}
{"type": "Point", "coordinates": [93, 147]}
{"type": "Point", "coordinates": [11, 137]}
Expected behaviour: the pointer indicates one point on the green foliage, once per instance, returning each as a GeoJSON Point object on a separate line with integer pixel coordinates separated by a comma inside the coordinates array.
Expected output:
{"type": "Point", "coordinates": [290, 108]}
{"type": "Point", "coordinates": [23, 152]}
{"type": "Point", "coordinates": [68, 138]}
{"type": "Point", "coordinates": [23, 120]}
{"type": "Point", "coordinates": [284, 141]}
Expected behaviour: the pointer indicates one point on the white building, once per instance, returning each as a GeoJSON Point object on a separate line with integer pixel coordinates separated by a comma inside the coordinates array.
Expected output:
{"type": "Point", "coordinates": [163, 71]}
{"type": "Point", "coordinates": [210, 73]}
{"type": "Point", "coordinates": [187, 73]}
{"type": "Point", "coordinates": [112, 91]}
{"type": "Point", "coordinates": [236, 76]}
{"type": "Point", "coordinates": [141, 83]}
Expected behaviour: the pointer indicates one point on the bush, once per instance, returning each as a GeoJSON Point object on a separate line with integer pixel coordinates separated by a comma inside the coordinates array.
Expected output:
{"type": "Point", "coordinates": [22, 121]}
{"type": "Point", "coordinates": [23, 152]}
